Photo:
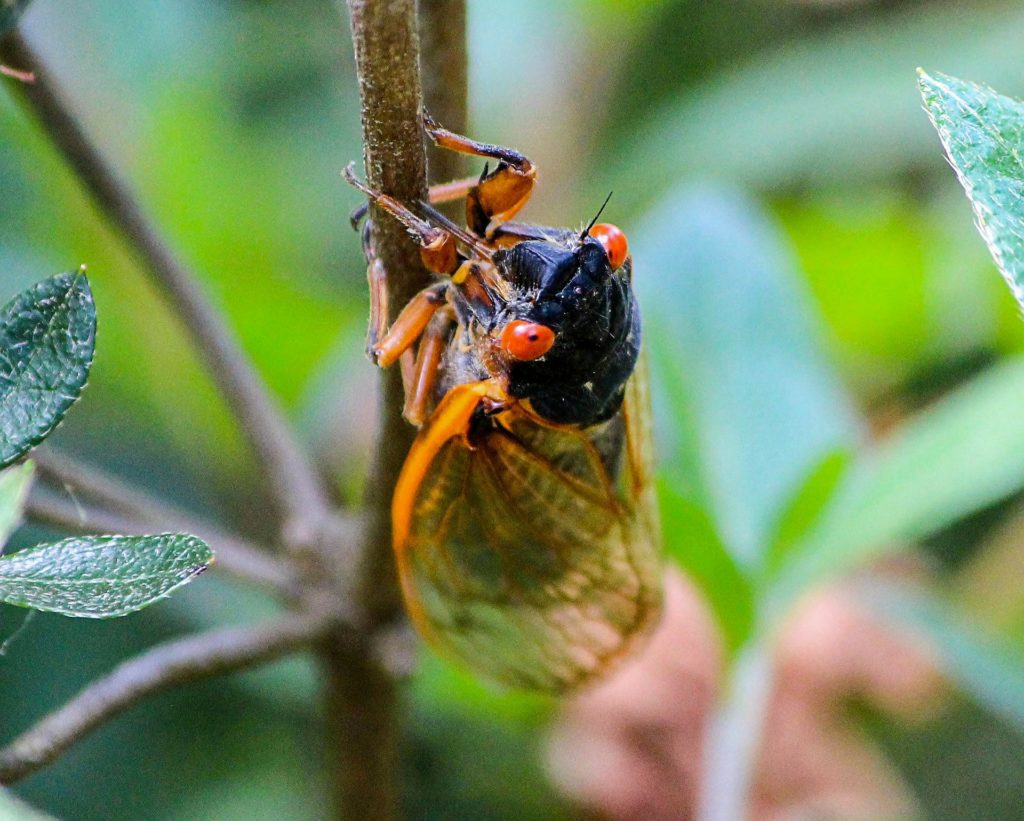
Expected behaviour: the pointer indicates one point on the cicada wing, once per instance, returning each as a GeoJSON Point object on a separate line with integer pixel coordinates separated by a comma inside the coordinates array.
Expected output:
{"type": "Point", "coordinates": [528, 557]}
{"type": "Point", "coordinates": [637, 481]}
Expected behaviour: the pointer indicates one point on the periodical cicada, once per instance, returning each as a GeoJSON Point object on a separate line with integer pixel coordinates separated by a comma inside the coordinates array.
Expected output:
{"type": "Point", "coordinates": [524, 521]}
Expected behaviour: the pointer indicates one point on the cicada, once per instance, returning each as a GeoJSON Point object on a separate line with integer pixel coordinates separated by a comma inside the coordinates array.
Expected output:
{"type": "Point", "coordinates": [524, 523]}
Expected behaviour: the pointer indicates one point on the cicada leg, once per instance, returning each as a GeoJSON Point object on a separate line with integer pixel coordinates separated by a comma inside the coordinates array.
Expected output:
{"type": "Point", "coordinates": [499, 194]}
{"type": "Point", "coordinates": [437, 194]}
{"type": "Point", "coordinates": [420, 388]}
{"type": "Point", "coordinates": [437, 246]}
{"type": "Point", "coordinates": [409, 326]}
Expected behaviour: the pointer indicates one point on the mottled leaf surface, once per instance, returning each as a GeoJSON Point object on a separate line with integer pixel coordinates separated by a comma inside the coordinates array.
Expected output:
{"type": "Point", "coordinates": [47, 340]}
{"type": "Point", "coordinates": [101, 576]}
{"type": "Point", "coordinates": [10, 11]}
{"type": "Point", "coordinates": [983, 134]}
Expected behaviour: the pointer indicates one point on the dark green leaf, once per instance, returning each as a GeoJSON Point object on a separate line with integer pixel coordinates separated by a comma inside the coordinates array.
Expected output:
{"type": "Point", "coordinates": [14, 485]}
{"type": "Point", "coordinates": [692, 541]}
{"type": "Point", "coordinates": [985, 667]}
{"type": "Point", "coordinates": [748, 402]}
{"type": "Point", "coordinates": [47, 339]}
{"type": "Point", "coordinates": [983, 134]}
{"type": "Point", "coordinates": [10, 11]}
{"type": "Point", "coordinates": [963, 454]}
{"type": "Point", "coordinates": [101, 576]}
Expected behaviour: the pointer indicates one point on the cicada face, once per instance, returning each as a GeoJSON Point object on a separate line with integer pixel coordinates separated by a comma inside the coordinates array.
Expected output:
{"type": "Point", "coordinates": [524, 524]}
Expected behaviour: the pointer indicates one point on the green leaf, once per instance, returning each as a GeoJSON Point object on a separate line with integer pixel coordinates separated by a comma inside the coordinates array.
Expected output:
{"type": "Point", "coordinates": [986, 668]}
{"type": "Point", "coordinates": [14, 485]}
{"type": "Point", "coordinates": [47, 335]}
{"type": "Point", "coordinates": [966, 452]}
{"type": "Point", "coordinates": [10, 11]}
{"type": "Point", "coordinates": [693, 543]}
{"type": "Point", "coordinates": [748, 403]}
{"type": "Point", "coordinates": [983, 134]}
{"type": "Point", "coordinates": [761, 123]}
{"type": "Point", "coordinates": [101, 576]}
{"type": "Point", "coordinates": [806, 506]}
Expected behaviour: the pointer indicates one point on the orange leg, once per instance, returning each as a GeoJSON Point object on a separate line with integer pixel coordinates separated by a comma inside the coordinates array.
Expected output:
{"type": "Point", "coordinates": [437, 194]}
{"type": "Point", "coordinates": [498, 195]}
{"type": "Point", "coordinates": [377, 278]}
{"type": "Point", "coordinates": [437, 246]}
{"type": "Point", "coordinates": [449, 191]}
{"type": "Point", "coordinates": [409, 325]}
{"type": "Point", "coordinates": [420, 389]}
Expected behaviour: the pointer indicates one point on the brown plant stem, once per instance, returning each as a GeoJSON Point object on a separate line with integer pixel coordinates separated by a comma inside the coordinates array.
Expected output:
{"type": "Point", "coordinates": [234, 556]}
{"type": "Point", "coordinates": [362, 700]}
{"type": "Point", "coordinates": [161, 668]}
{"type": "Point", "coordinates": [291, 476]}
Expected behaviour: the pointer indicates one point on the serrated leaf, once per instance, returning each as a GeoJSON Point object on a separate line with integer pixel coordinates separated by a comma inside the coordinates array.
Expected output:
{"type": "Point", "coordinates": [47, 341]}
{"type": "Point", "coordinates": [10, 11]}
{"type": "Point", "coordinates": [983, 134]}
{"type": "Point", "coordinates": [101, 576]}
{"type": "Point", "coordinates": [14, 485]}
{"type": "Point", "coordinates": [961, 455]}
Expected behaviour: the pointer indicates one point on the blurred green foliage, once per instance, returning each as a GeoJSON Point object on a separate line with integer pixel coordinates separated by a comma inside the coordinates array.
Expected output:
{"type": "Point", "coordinates": [810, 275]}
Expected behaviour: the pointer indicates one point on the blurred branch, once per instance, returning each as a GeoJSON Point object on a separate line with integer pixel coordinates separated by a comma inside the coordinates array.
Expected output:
{"type": "Point", "coordinates": [443, 64]}
{"type": "Point", "coordinates": [292, 478]}
{"type": "Point", "coordinates": [161, 668]}
{"type": "Point", "coordinates": [239, 556]}
{"type": "Point", "coordinates": [734, 739]}
{"type": "Point", "coordinates": [234, 556]}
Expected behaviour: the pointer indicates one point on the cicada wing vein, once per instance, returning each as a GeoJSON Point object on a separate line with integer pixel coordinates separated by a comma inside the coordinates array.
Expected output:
{"type": "Point", "coordinates": [528, 557]}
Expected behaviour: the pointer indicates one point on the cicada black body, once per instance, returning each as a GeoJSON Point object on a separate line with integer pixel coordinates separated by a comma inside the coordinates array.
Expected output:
{"type": "Point", "coordinates": [524, 523]}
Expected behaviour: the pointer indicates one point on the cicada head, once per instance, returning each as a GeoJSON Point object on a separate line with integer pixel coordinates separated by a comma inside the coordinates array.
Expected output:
{"type": "Point", "coordinates": [568, 326]}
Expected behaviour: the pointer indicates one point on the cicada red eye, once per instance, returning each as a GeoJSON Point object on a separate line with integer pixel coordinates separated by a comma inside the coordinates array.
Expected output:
{"type": "Point", "coordinates": [614, 242]}
{"type": "Point", "coordinates": [526, 340]}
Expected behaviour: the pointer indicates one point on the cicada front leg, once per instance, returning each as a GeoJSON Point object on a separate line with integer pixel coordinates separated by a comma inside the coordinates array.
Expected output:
{"type": "Point", "coordinates": [415, 323]}
{"type": "Point", "coordinates": [497, 195]}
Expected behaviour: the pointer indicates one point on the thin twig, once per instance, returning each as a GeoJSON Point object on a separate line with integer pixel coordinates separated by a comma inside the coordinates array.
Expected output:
{"type": "Point", "coordinates": [161, 668]}
{"type": "Point", "coordinates": [234, 556]}
{"type": "Point", "coordinates": [292, 478]}
{"type": "Point", "coordinates": [111, 493]}
{"type": "Point", "coordinates": [89, 481]}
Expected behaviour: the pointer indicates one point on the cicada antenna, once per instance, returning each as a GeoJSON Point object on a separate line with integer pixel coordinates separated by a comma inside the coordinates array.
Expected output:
{"type": "Point", "coordinates": [597, 216]}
